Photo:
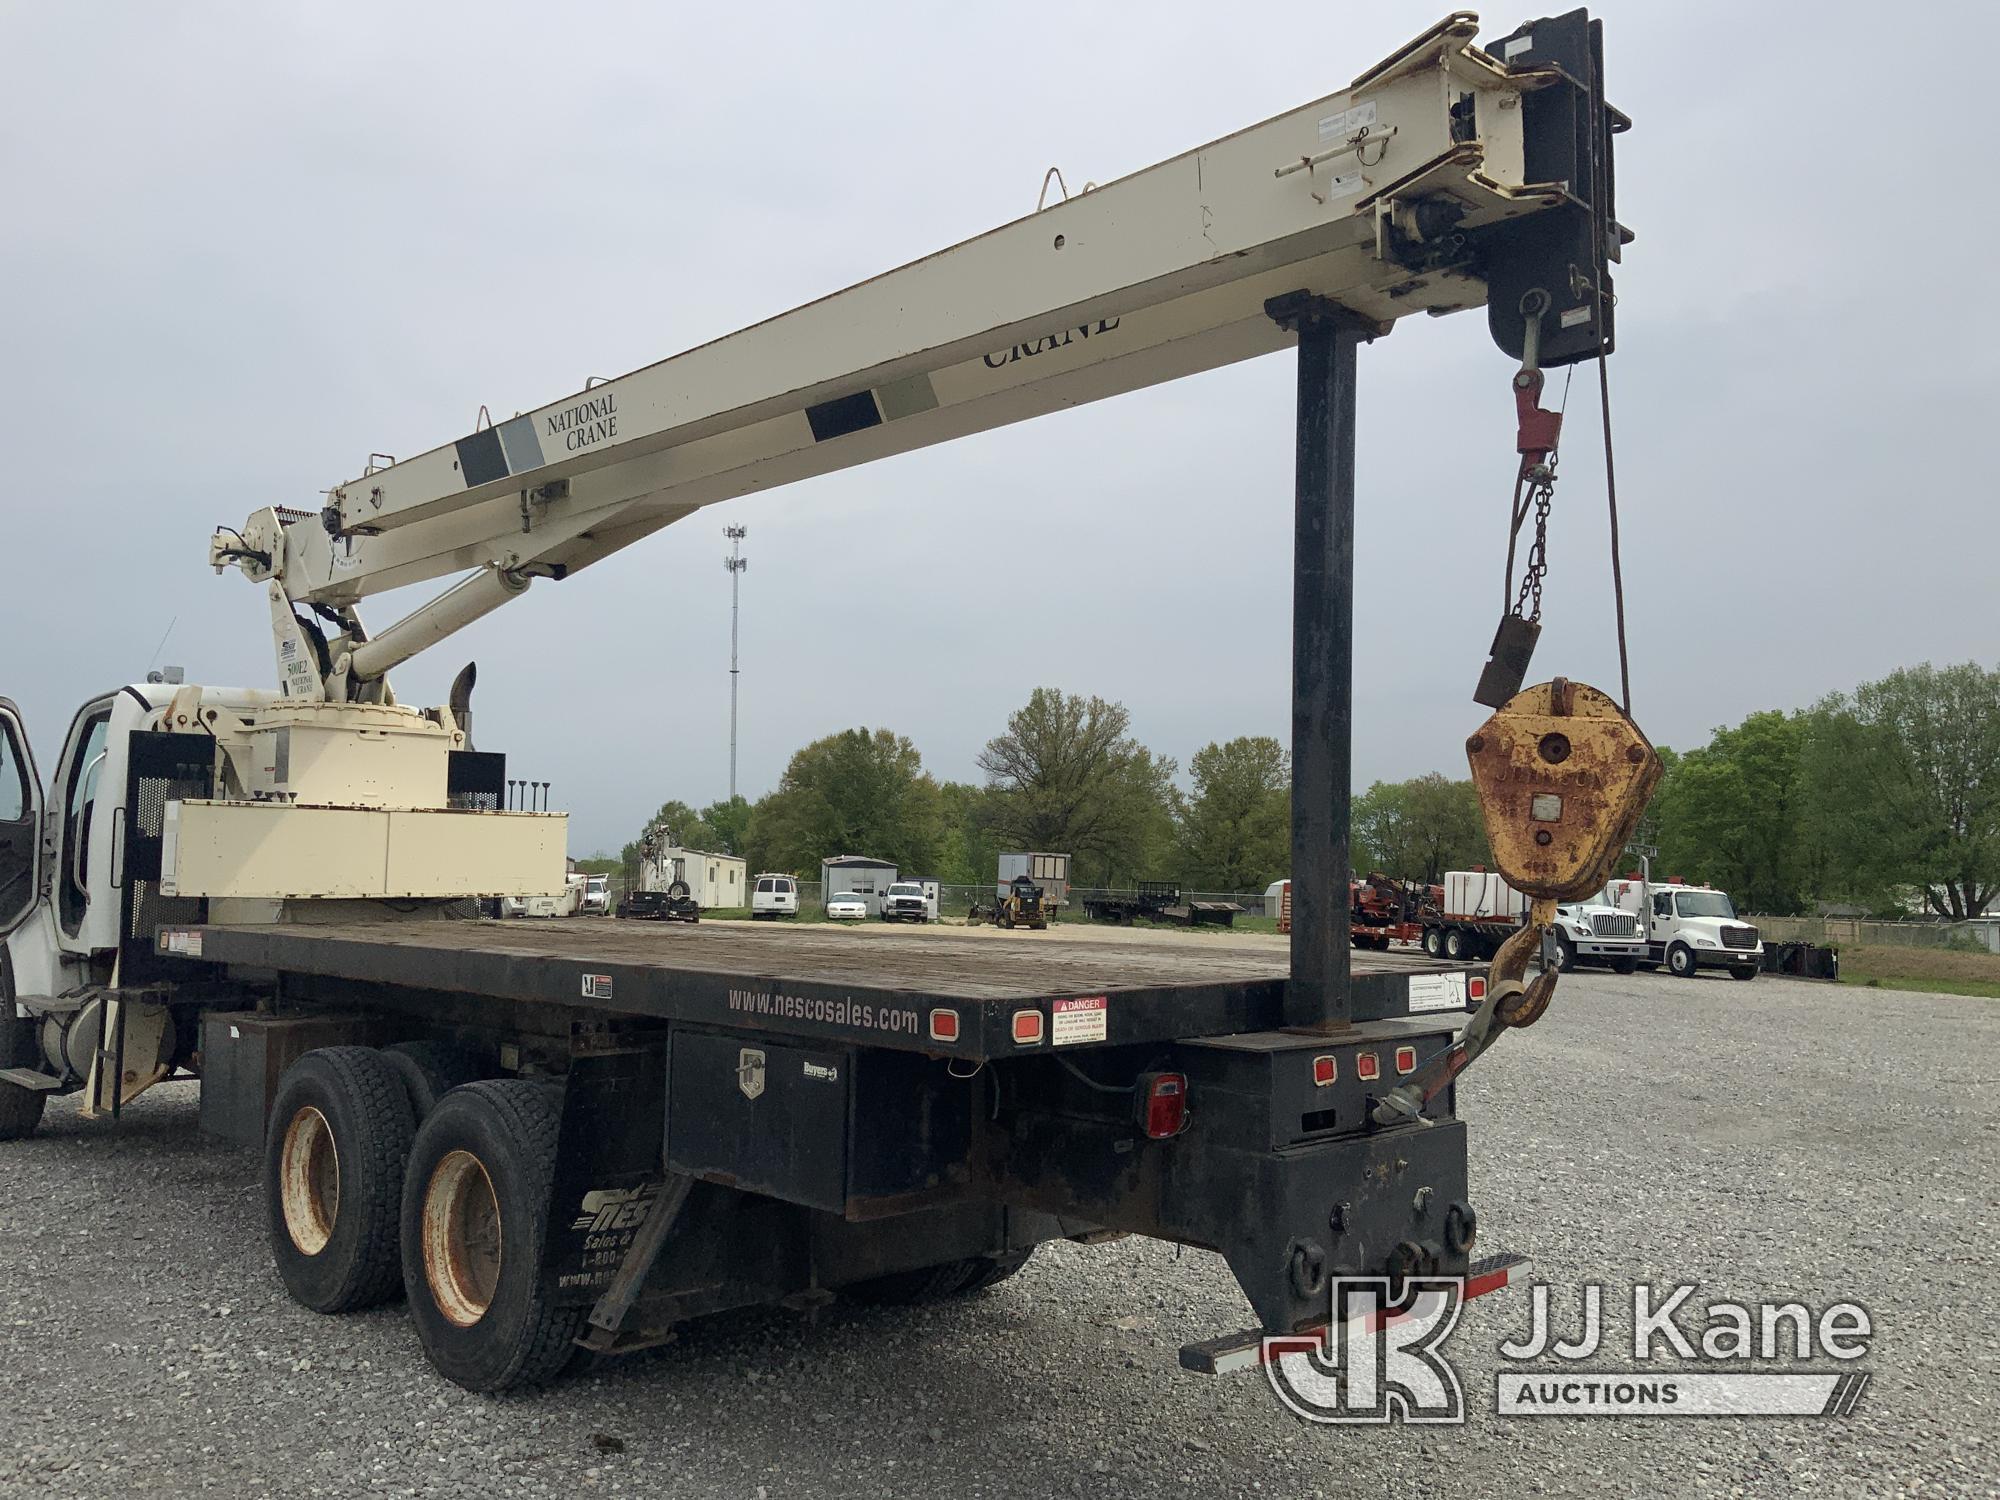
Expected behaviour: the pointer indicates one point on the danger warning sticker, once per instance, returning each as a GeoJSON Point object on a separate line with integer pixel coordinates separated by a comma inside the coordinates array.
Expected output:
{"type": "Point", "coordinates": [1085, 1019]}
{"type": "Point", "coordinates": [597, 986]}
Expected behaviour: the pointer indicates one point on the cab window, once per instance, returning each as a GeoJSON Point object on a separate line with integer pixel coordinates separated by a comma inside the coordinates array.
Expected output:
{"type": "Point", "coordinates": [81, 797]}
{"type": "Point", "coordinates": [13, 780]}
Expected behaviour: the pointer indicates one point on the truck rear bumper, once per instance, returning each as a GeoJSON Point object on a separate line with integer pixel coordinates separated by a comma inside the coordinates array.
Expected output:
{"type": "Point", "coordinates": [1236, 1352]}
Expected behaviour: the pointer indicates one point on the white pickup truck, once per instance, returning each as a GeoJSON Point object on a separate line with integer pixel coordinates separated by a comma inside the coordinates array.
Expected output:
{"type": "Point", "coordinates": [1688, 927]}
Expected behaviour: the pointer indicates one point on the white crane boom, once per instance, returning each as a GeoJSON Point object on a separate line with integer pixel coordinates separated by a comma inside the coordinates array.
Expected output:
{"type": "Point", "coordinates": [1403, 193]}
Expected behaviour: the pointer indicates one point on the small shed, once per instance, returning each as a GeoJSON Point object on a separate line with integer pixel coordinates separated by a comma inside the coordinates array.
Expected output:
{"type": "Point", "coordinates": [858, 875]}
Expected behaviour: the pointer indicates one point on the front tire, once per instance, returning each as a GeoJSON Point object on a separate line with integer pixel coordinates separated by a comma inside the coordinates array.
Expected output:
{"type": "Point", "coordinates": [334, 1152]}
{"type": "Point", "coordinates": [475, 1216]}
{"type": "Point", "coordinates": [1680, 961]}
{"type": "Point", "coordinates": [1565, 953]}
{"type": "Point", "coordinates": [20, 1111]}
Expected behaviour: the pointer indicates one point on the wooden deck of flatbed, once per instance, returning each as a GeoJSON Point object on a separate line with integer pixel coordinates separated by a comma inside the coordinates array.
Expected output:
{"type": "Point", "coordinates": [873, 986]}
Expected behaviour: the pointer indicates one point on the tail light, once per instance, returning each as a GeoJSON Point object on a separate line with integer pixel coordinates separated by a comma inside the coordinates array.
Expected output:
{"type": "Point", "coordinates": [1326, 1068]}
{"type": "Point", "coordinates": [1406, 1060]}
{"type": "Point", "coordinates": [1367, 1066]}
{"type": "Point", "coordinates": [1163, 1104]}
{"type": "Point", "coordinates": [944, 1025]}
{"type": "Point", "coordinates": [1027, 1028]}
{"type": "Point", "coordinates": [1475, 987]}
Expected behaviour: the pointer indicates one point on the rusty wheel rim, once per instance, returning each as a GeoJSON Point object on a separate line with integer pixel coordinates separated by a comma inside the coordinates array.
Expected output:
{"type": "Point", "coordinates": [462, 1239]}
{"type": "Point", "coordinates": [309, 1181]}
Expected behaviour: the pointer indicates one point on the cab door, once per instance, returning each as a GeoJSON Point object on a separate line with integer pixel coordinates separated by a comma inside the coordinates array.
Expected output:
{"type": "Point", "coordinates": [20, 822]}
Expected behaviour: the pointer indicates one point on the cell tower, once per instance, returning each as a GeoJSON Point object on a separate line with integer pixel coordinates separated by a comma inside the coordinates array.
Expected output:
{"type": "Point", "coordinates": [736, 562]}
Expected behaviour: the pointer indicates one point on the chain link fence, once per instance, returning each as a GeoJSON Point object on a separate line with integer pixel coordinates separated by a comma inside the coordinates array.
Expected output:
{"type": "Point", "coordinates": [1982, 934]}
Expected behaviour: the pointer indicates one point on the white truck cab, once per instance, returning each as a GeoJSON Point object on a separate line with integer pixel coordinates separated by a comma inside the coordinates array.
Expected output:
{"type": "Point", "coordinates": [1591, 932]}
{"type": "Point", "coordinates": [907, 901]}
{"type": "Point", "coordinates": [1688, 927]}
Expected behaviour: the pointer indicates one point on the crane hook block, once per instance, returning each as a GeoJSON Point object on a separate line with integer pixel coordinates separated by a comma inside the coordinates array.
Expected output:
{"type": "Point", "coordinates": [1563, 775]}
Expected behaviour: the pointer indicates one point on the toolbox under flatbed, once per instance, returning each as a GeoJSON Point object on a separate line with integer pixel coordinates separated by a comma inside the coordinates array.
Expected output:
{"type": "Point", "coordinates": [941, 992]}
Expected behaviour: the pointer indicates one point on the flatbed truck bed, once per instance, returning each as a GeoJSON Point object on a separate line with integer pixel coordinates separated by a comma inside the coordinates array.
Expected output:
{"type": "Point", "coordinates": [938, 992]}
{"type": "Point", "coordinates": [682, 1120]}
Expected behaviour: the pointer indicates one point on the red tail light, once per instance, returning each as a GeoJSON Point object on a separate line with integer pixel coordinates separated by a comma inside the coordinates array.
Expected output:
{"type": "Point", "coordinates": [1326, 1068]}
{"type": "Point", "coordinates": [1367, 1066]}
{"type": "Point", "coordinates": [944, 1025]}
{"type": "Point", "coordinates": [1164, 1104]}
{"type": "Point", "coordinates": [1475, 987]}
{"type": "Point", "coordinates": [1406, 1059]}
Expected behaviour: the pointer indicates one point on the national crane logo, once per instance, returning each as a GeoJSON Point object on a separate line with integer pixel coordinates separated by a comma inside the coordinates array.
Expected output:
{"type": "Point", "coordinates": [1049, 341]}
{"type": "Point", "coordinates": [585, 424]}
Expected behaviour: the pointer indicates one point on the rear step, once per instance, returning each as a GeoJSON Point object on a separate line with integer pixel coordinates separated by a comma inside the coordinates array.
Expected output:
{"type": "Point", "coordinates": [1236, 1352]}
{"type": "Point", "coordinates": [28, 1078]}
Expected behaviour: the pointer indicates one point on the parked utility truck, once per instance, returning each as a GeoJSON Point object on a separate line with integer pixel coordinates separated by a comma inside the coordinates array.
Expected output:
{"type": "Point", "coordinates": [1686, 927]}
{"type": "Point", "coordinates": [559, 1135]}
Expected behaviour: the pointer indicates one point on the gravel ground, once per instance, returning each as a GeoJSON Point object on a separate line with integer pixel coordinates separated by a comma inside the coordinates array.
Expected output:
{"type": "Point", "coordinates": [1775, 1140]}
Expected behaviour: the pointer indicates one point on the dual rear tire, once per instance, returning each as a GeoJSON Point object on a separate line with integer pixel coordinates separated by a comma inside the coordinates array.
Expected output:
{"type": "Point", "coordinates": [364, 1202]}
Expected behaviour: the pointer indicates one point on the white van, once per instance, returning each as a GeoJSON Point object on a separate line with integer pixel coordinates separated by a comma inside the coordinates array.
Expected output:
{"type": "Point", "coordinates": [774, 896]}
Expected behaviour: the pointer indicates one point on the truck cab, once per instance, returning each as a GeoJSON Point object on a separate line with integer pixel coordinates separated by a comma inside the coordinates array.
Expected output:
{"type": "Point", "coordinates": [1593, 932]}
{"type": "Point", "coordinates": [905, 901]}
{"type": "Point", "coordinates": [1689, 927]}
{"type": "Point", "coordinates": [81, 893]}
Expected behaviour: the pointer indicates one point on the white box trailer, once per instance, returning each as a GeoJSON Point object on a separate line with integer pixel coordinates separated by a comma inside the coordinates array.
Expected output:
{"type": "Point", "coordinates": [1049, 871]}
{"type": "Point", "coordinates": [714, 880]}
{"type": "Point", "coordinates": [1482, 896]}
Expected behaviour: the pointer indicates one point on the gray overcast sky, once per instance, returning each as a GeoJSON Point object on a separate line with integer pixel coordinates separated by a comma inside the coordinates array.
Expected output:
{"type": "Point", "coordinates": [244, 245]}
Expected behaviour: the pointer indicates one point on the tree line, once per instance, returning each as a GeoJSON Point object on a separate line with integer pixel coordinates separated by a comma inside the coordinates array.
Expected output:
{"type": "Point", "coordinates": [1065, 775]}
{"type": "Point", "coordinates": [1886, 799]}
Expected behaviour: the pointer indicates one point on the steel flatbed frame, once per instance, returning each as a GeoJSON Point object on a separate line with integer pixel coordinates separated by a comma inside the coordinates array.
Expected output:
{"type": "Point", "coordinates": [868, 987]}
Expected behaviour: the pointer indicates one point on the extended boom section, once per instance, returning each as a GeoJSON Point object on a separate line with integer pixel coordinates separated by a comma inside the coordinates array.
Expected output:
{"type": "Point", "coordinates": [1406, 192]}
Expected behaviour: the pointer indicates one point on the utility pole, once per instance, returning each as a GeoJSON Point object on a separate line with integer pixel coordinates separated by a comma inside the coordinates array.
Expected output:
{"type": "Point", "coordinates": [736, 562]}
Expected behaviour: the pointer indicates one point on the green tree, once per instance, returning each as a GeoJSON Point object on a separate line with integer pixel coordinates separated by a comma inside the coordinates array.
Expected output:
{"type": "Point", "coordinates": [967, 854]}
{"type": "Point", "coordinates": [729, 821]}
{"type": "Point", "coordinates": [1418, 829]}
{"type": "Point", "coordinates": [1732, 813]}
{"type": "Point", "coordinates": [1067, 777]}
{"type": "Point", "coordinates": [1908, 772]}
{"type": "Point", "coordinates": [687, 828]}
{"type": "Point", "coordinates": [1236, 830]}
{"type": "Point", "coordinates": [860, 791]}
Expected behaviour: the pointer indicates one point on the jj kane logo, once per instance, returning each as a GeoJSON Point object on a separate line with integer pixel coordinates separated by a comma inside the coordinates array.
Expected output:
{"type": "Point", "coordinates": [1381, 1357]}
